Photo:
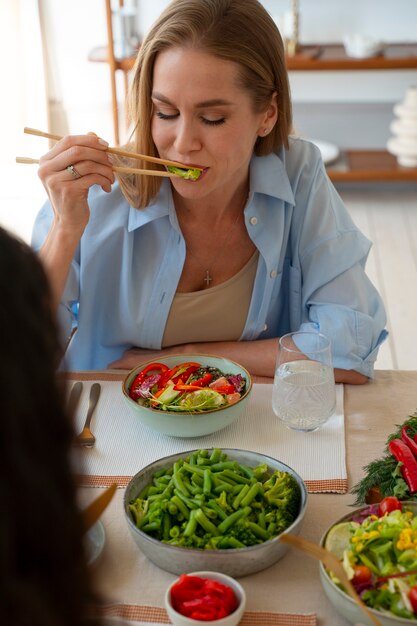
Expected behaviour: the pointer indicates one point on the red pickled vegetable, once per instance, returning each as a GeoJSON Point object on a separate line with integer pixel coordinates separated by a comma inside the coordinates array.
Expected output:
{"type": "Point", "coordinates": [202, 599]}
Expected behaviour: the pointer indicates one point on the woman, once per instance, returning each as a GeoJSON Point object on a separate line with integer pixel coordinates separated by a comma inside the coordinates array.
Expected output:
{"type": "Point", "coordinates": [260, 245]}
{"type": "Point", "coordinates": [43, 575]}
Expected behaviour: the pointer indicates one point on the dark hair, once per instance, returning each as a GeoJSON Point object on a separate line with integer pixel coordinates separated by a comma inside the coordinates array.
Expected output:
{"type": "Point", "coordinates": [44, 578]}
{"type": "Point", "coordinates": [241, 31]}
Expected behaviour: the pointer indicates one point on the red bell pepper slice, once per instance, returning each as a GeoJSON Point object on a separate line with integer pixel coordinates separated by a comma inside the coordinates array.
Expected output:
{"type": "Point", "coordinates": [170, 374]}
{"type": "Point", "coordinates": [152, 367]}
{"type": "Point", "coordinates": [408, 440]}
{"type": "Point", "coordinates": [202, 598]}
{"type": "Point", "coordinates": [404, 455]}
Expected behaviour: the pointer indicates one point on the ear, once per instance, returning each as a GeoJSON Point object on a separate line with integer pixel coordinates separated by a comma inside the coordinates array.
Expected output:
{"type": "Point", "coordinates": [269, 117]}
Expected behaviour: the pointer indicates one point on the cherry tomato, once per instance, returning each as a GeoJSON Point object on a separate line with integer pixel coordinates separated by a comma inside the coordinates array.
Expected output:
{"type": "Point", "coordinates": [388, 504]}
{"type": "Point", "coordinates": [412, 595]}
{"type": "Point", "coordinates": [362, 574]}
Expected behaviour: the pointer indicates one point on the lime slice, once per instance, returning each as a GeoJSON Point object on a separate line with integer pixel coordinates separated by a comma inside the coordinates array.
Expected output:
{"type": "Point", "coordinates": [202, 400]}
{"type": "Point", "coordinates": [338, 538]}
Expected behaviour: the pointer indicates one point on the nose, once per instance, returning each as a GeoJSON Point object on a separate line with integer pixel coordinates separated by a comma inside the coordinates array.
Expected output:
{"type": "Point", "coordinates": [186, 137]}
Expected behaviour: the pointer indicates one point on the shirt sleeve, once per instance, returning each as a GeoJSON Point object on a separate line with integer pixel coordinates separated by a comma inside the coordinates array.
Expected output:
{"type": "Point", "coordinates": [338, 298]}
{"type": "Point", "coordinates": [67, 310]}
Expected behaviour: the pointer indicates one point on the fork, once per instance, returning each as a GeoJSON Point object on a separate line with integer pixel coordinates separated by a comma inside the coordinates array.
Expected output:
{"type": "Point", "coordinates": [333, 564]}
{"type": "Point", "coordinates": [86, 437]}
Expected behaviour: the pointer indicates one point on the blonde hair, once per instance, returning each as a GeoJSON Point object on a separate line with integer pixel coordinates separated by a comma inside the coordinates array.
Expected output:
{"type": "Point", "coordinates": [241, 31]}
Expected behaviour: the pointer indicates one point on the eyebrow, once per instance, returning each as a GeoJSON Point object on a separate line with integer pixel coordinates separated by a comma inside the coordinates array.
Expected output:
{"type": "Point", "coordinates": [200, 105]}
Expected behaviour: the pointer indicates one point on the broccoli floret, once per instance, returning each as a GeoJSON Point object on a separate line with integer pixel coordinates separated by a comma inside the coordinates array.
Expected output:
{"type": "Point", "coordinates": [138, 509]}
{"type": "Point", "coordinates": [282, 491]}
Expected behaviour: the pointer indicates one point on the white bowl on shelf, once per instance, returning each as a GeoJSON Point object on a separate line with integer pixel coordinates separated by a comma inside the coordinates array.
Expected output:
{"type": "Point", "coordinates": [362, 47]}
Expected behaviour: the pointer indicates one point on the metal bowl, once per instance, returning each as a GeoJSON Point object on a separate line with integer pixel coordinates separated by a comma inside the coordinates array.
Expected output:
{"type": "Point", "coordinates": [190, 424]}
{"type": "Point", "coordinates": [233, 562]}
{"type": "Point", "coordinates": [343, 603]}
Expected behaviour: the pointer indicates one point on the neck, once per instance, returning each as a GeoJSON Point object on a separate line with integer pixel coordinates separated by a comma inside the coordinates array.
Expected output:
{"type": "Point", "coordinates": [213, 209]}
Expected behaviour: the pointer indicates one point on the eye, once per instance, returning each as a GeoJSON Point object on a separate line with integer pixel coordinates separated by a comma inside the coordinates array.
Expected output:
{"type": "Point", "coordinates": [218, 122]}
{"type": "Point", "coordinates": [164, 116]}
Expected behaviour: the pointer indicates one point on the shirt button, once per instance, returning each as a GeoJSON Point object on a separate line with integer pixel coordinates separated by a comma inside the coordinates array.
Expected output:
{"type": "Point", "coordinates": [265, 327]}
{"type": "Point", "coordinates": [273, 274]}
{"type": "Point", "coordinates": [253, 221]}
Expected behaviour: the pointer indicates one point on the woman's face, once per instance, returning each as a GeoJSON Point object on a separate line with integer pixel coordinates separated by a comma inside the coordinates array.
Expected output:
{"type": "Point", "coordinates": [202, 117]}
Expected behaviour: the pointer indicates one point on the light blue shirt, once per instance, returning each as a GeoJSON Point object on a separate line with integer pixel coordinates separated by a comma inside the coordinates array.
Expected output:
{"type": "Point", "coordinates": [310, 271]}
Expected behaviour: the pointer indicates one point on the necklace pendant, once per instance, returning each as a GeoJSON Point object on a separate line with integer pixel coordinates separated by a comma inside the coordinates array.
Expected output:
{"type": "Point", "coordinates": [208, 278]}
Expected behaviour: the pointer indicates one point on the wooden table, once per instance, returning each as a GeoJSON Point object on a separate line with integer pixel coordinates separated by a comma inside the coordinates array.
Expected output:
{"type": "Point", "coordinates": [292, 585]}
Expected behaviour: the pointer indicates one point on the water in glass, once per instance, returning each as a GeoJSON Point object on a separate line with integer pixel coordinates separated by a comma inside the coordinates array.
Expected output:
{"type": "Point", "coordinates": [304, 394]}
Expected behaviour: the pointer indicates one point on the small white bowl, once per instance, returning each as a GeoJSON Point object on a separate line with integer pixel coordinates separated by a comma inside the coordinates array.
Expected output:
{"type": "Point", "coordinates": [361, 46]}
{"type": "Point", "coordinates": [231, 620]}
{"type": "Point", "coordinates": [95, 539]}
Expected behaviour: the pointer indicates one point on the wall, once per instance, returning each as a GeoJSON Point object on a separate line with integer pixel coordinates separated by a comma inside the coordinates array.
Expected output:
{"type": "Point", "coordinates": [325, 101]}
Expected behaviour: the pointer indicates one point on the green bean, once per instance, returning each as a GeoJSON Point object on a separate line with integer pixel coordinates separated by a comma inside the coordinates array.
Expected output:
{"type": "Point", "coordinates": [207, 482]}
{"type": "Point", "coordinates": [232, 519]}
{"type": "Point", "coordinates": [210, 513]}
{"type": "Point", "coordinates": [179, 484]}
{"type": "Point", "coordinates": [191, 526]}
{"type": "Point", "coordinates": [172, 508]}
{"type": "Point", "coordinates": [215, 455]}
{"type": "Point", "coordinates": [223, 487]}
{"type": "Point", "coordinates": [151, 527]}
{"type": "Point", "coordinates": [247, 471]}
{"type": "Point", "coordinates": [212, 504]}
{"type": "Point", "coordinates": [188, 502]}
{"type": "Point", "coordinates": [253, 491]}
{"type": "Point", "coordinates": [206, 523]}
{"type": "Point", "coordinates": [230, 542]}
{"type": "Point", "coordinates": [166, 526]}
{"type": "Point", "coordinates": [219, 467]}
{"type": "Point", "coordinates": [258, 531]}
{"type": "Point", "coordinates": [193, 458]}
{"type": "Point", "coordinates": [236, 502]}
{"type": "Point", "coordinates": [261, 519]}
{"type": "Point", "coordinates": [227, 473]}
{"type": "Point", "coordinates": [197, 479]}
{"type": "Point", "coordinates": [195, 489]}
{"type": "Point", "coordinates": [175, 532]}
{"type": "Point", "coordinates": [180, 506]}
{"type": "Point", "coordinates": [194, 469]}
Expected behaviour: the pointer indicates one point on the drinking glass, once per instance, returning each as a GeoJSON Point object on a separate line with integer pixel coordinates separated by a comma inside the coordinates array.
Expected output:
{"type": "Point", "coordinates": [304, 392]}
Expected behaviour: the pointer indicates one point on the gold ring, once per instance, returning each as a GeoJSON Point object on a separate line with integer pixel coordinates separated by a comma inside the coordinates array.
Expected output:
{"type": "Point", "coordinates": [71, 169]}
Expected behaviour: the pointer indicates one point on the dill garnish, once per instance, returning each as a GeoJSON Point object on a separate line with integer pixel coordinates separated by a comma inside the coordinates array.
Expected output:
{"type": "Point", "coordinates": [384, 473]}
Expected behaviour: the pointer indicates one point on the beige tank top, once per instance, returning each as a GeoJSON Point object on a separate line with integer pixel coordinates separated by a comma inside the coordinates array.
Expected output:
{"type": "Point", "coordinates": [215, 314]}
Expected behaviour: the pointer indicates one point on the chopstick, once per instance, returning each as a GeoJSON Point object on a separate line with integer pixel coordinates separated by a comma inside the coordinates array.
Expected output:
{"type": "Point", "coordinates": [118, 151]}
{"type": "Point", "coordinates": [126, 170]}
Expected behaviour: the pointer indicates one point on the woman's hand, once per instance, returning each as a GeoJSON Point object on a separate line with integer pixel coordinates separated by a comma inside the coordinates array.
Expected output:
{"type": "Point", "coordinates": [67, 192]}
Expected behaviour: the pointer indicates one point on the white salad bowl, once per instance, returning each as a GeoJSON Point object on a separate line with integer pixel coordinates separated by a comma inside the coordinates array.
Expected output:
{"type": "Point", "coordinates": [190, 424]}
{"type": "Point", "coordinates": [343, 603]}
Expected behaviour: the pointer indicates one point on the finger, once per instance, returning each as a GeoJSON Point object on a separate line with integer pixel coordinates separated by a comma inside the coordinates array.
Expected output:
{"type": "Point", "coordinates": [90, 140]}
{"type": "Point", "coordinates": [84, 168]}
{"type": "Point", "coordinates": [74, 156]}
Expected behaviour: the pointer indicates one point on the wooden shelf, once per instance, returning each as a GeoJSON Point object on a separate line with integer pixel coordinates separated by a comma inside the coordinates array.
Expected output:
{"type": "Point", "coordinates": [369, 165]}
{"type": "Point", "coordinates": [101, 55]}
{"type": "Point", "coordinates": [333, 57]}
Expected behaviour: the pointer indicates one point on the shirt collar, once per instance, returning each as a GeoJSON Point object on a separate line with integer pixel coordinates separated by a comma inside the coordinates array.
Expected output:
{"type": "Point", "coordinates": [160, 206]}
{"type": "Point", "coordinates": [267, 176]}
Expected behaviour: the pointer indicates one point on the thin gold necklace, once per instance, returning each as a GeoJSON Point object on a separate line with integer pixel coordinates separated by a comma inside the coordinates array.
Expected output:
{"type": "Point", "coordinates": [208, 270]}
